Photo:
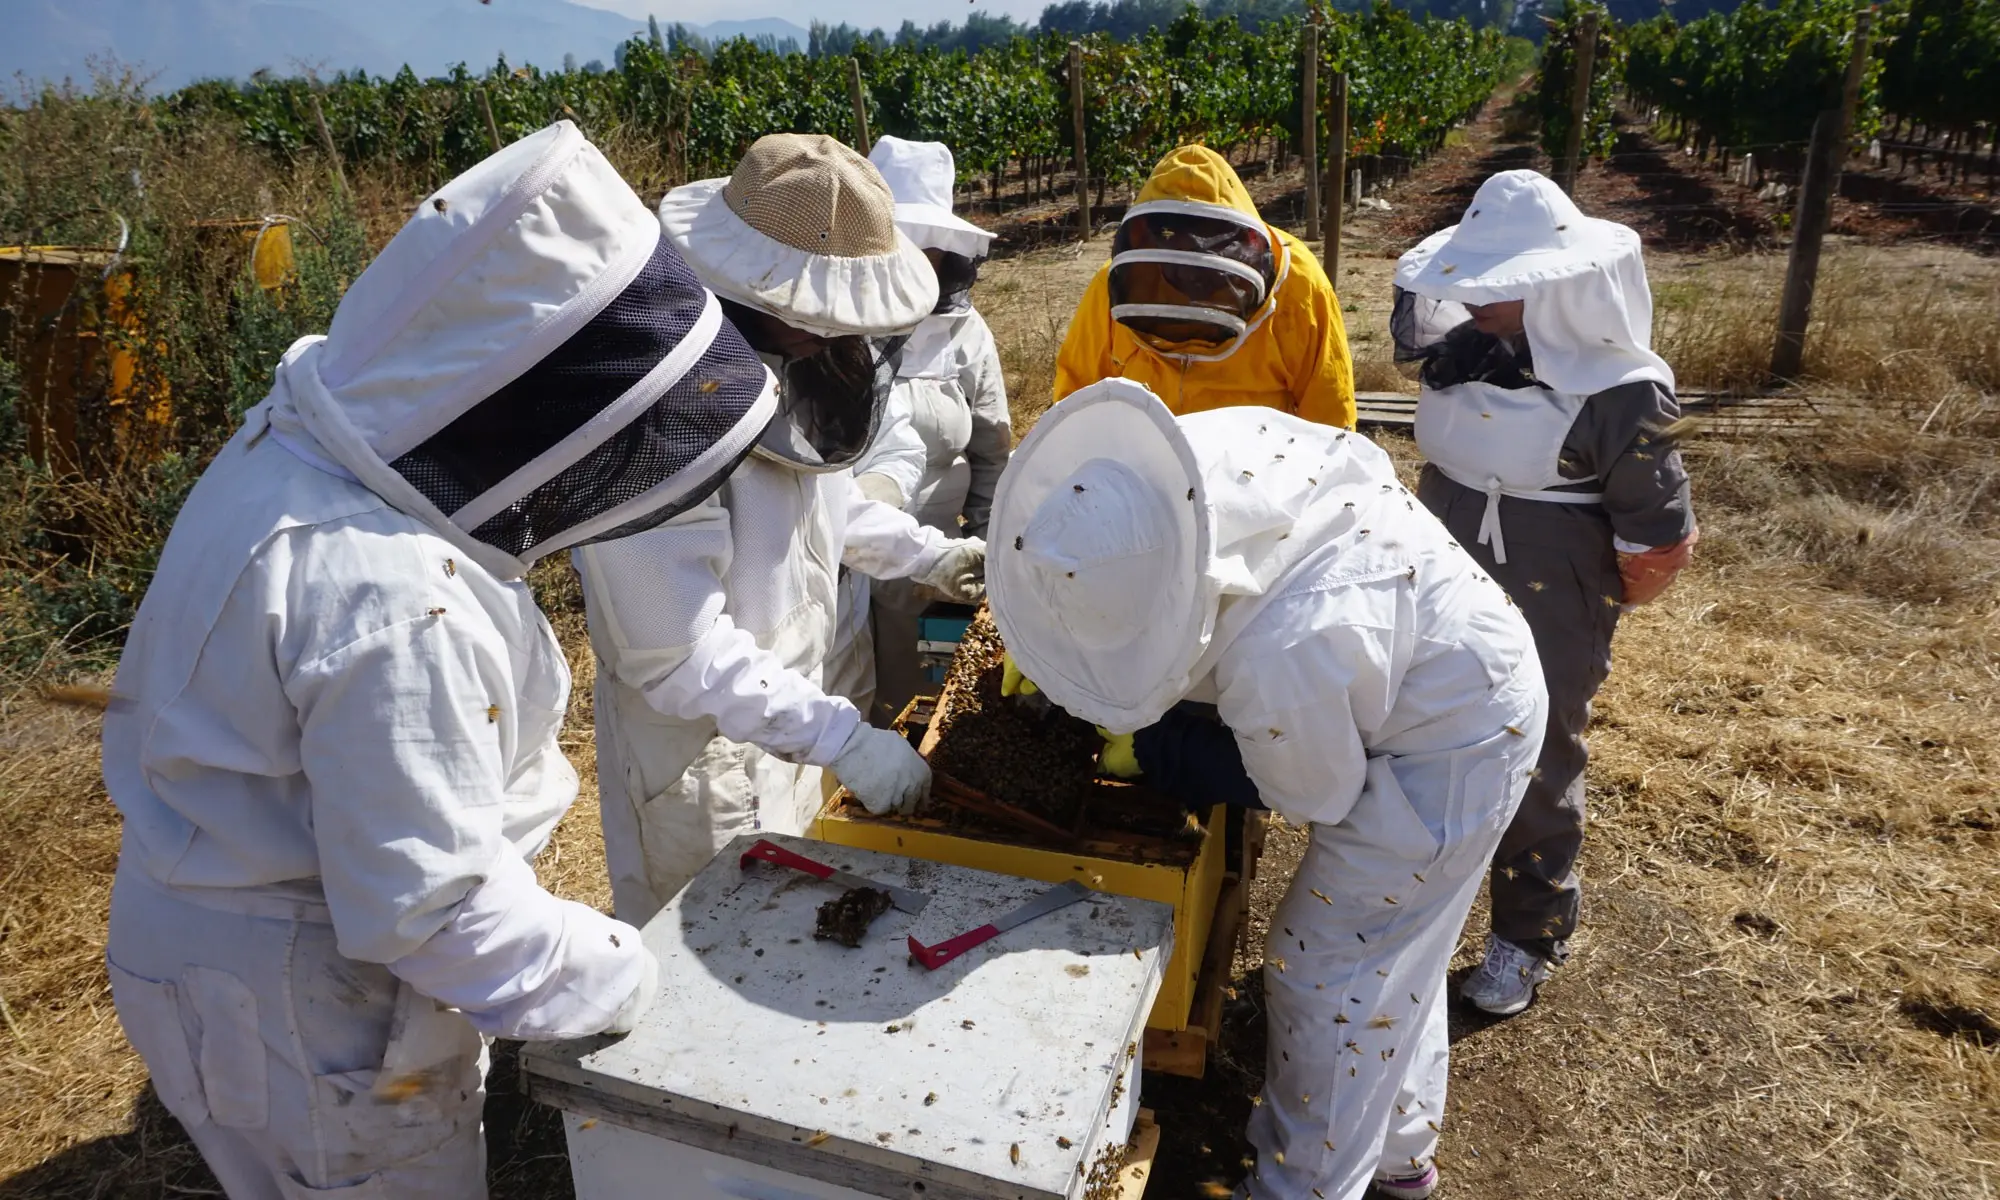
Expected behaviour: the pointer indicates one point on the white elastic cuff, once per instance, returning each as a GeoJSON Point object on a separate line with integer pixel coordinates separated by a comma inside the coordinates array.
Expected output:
{"type": "Point", "coordinates": [1624, 547]}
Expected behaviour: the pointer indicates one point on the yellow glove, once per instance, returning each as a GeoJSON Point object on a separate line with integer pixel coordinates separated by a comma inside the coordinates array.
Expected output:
{"type": "Point", "coordinates": [1119, 759]}
{"type": "Point", "coordinates": [1012, 682]}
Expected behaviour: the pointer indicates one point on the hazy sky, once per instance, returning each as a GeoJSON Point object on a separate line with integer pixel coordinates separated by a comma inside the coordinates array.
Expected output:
{"type": "Point", "coordinates": [866, 13]}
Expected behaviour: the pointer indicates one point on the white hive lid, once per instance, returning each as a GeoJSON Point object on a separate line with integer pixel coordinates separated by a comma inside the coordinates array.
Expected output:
{"type": "Point", "coordinates": [856, 1066]}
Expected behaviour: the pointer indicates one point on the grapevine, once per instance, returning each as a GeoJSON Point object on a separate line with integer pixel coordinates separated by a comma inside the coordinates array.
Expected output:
{"type": "Point", "coordinates": [1198, 80]}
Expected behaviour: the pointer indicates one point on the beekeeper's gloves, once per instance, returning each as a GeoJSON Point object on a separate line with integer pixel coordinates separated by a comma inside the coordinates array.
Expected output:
{"type": "Point", "coordinates": [883, 771]}
{"type": "Point", "coordinates": [960, 572]}
{"type": "Point", "coordinates": [1119, 759]}
{"type": "Point", "coordinates": [1012, 682]}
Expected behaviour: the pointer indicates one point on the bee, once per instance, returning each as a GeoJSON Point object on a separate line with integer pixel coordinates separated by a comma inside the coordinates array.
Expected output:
{"type": "Point", "coordinates": [818, 1138]}
{"type": "Point", "coordinates": [1280, 964]}
{"type": "Point", "coordinates": [1014, 1154]}
{"type": "Point", "coordinates": [1536, 585]}
{"type": "Point", "coordinates": [1390, 900]}
{"type": "Point", "coordinates": [1516, 731]}
{"type": "Point", "coordinates": [930, 1098]}
{"type": "Point", "coordinates": [1322, 897]}
{"type": "Point", "coordinates": [1340, 1018]}
{"type": "Point", "coordinates": [590, 1124]}
{"type": "Point", "coordinates": [1384, 1022]}
{"type": "Point", "coordinates": [1278, 1156]}
{"type": "Point", "coordinates": [492, 714]}
{"type": "Point", "coordinates": [1064, 1143]}
{"type": "Point", "coordinates": [434, 612]}
{"type": "Point", "coordinates": [450, 568]}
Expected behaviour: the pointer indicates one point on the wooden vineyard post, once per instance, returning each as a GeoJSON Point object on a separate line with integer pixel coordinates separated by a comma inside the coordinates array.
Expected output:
{"type": "Point", "coordinates": [1309, 127]}
{"type": "Point", "coordinates": [1579, 100]}
{"type": "Point", "coordinates": [1808, 232]}
{"type": "Point", "coordinates": [862, 141]}
{"type": "Point", "coordinates": [1082, 158]}
{"type": "Point", "coordinates": [326, 143]}
{"type": "Point", "coordinates": [1857, 67]}
{"type": "Point", "coordinates": [492, 127]}
{"type": "Point", "coordinates": [1336, 174]}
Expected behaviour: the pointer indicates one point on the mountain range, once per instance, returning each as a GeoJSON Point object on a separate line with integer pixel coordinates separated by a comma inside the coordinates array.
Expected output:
{"type": "Point", "coordinates": [174, 42]}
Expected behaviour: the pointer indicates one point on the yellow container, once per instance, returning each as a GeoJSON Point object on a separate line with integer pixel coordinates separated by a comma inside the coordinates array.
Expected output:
{"type": "Point", "coordinates": [70, 320]}
{"type": "Point", "coordinates": [1190, 886]}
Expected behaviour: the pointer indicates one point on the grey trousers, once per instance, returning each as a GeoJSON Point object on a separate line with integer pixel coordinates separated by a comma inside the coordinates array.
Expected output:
{"type": "Point", "coordinates": [1562, 572]}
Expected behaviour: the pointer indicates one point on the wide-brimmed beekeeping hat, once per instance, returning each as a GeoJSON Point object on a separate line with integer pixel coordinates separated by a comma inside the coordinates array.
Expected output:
{"type": "Point", "coordinates": [804, 229]}
{"type": "Point", "coordinates": [1587, 309]}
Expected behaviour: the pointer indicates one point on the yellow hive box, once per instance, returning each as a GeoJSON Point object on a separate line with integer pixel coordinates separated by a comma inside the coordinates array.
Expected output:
{"type": "Point", "coordinates": [1187, 873]}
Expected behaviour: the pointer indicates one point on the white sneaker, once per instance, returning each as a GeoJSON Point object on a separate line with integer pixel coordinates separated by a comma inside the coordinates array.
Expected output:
{"type": "Point", "coordinates": [1408, 1187]}
{"type": "Point", "coordinates": [1505, 983]}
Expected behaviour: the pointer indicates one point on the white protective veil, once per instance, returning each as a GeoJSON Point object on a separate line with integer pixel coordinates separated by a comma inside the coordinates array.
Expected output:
{"type": "Point", "coordinates": [1587, 310]}
{"type": "Point", "coordinates": [452, 387]}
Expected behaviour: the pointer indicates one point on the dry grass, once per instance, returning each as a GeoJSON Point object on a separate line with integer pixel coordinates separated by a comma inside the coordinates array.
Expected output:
{"type": "Point", "coordinates": [1907, 325]}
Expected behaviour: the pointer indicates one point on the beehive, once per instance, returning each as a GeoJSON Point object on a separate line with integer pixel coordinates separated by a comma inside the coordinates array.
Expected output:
{"type": "Point", "coordinates": [1185, 871]}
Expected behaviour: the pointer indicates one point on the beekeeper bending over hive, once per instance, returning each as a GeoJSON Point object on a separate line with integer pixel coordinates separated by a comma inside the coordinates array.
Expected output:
{"type": "Point", "coordinates": [1209, 306]}
{"type": "Point", "coordinates": [1372, 684]}
{"type": "Point", "coordinates": [711, 631]}
{"type": "Point", "coordinates": [1546, 419]}
{"type": "Point", "coordinates": [951, 383]}
{"type": "Point", "coordinates": [333, 737]}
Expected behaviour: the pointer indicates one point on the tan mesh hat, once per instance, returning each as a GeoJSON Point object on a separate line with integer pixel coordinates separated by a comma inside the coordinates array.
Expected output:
{"type": "Point", "coordinates": [805, 229]}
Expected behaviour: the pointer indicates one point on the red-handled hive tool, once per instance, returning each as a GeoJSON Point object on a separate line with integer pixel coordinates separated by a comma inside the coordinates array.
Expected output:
{"type": "Point", "coordinates": [903, 898]}
{"type": "Point", "coordinates": [1060, 896]}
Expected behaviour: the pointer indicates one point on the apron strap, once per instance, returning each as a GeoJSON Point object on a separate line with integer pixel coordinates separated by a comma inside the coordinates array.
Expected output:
{"type": "Point", "coordinates": [1489, 522]}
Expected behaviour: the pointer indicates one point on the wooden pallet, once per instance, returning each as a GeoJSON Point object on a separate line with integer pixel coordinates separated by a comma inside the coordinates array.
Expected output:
{"type": "Point", "coordinates": [1717, 414]}
{"type": "Point", "coordinates": [1185, 1051]}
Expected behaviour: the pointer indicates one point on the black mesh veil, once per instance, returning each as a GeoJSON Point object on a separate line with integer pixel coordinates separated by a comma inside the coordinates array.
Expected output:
{"type": "Point", "coordinates": [956, 275]}
{"type": "Point", "coordinates": [1440, 335]}
{"type": "Point", "coordinates": [1183, 278]}
{"type": "Point", "coordinates": [591, 370]}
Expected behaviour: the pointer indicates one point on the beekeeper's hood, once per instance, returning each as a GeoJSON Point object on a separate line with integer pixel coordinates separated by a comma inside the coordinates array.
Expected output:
{"type": "Point", "coordinates": [922, 176]}
{"type": "Point", "coordinates": [1128, 548]}
{"type": "Point", "coordinates": [801, 244]}
{"type": "Point", "coordinates": [528, 365]}
{"type": "Point", "coordinates": [1586, 308]}
{"type": "Point", "coordinates": [1194, 269]}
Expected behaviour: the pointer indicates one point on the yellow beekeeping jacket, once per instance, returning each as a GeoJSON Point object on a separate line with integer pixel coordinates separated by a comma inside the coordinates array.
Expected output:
{"type": "Point", "coordinates": [1293, 358]}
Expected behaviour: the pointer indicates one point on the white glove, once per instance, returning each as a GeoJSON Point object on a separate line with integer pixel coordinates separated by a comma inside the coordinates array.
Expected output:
{"type": "Point", "coordinates": [641, 999]}
{"type": "Point", "coordinates": [960, 572]}
{"type": "Point", "coordinates": [877, 486]}
{"type": "Point", "coordinates": [883, 771]}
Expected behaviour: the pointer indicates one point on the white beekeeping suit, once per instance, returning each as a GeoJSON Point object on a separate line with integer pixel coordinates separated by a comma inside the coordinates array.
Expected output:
{"type": "Point", "coordinates": [1371, 682]}
{"type": "Point", "coordinates": [334, 732]}
{"type": "Point", "coordinates": [951, 382]}
{"type": "Point", "coordinates": [889, 472]}
{"type": "Point", "coordinates": [712, 631]}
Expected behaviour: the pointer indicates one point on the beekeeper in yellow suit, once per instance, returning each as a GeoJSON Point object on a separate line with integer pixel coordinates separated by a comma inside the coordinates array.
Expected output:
{"type": "Point", "coordinates": [1210, 307]}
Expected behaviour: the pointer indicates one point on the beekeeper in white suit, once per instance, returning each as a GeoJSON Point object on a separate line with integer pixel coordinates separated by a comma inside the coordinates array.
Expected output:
{"type": "Point", "coordinates": [712, 631]}
{"type": "Point", "coordinates": [950, 381]}
{"type": "Point", "coordinates": [333, 732]}
{"type": "Point", "coordinates": [1371, 683]}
